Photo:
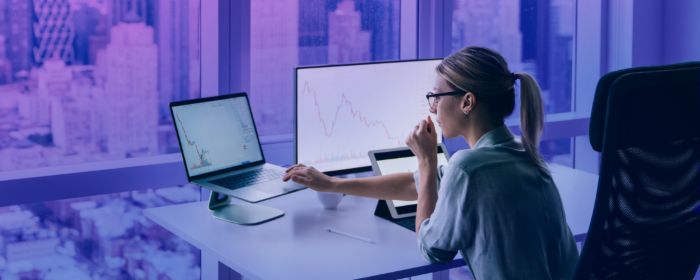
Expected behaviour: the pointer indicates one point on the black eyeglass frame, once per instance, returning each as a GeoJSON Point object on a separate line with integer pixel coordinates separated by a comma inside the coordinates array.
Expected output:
{"type": "Point", "coordinates": [431, 105]}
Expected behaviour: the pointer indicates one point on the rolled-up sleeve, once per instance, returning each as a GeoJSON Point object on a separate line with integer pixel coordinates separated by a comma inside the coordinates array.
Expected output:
{"type": "Point", "coordinates": [446, 231]}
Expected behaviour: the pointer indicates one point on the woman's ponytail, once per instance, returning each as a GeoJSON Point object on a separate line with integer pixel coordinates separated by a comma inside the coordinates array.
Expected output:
{"type": "Point", "coordinates": [531, 117]}
{"type": "Point", "coordinates": [485, 73]}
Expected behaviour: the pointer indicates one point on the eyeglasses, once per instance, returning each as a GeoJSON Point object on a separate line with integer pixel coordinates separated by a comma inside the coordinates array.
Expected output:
{"type": "Point", "coordinates": [433, 98]}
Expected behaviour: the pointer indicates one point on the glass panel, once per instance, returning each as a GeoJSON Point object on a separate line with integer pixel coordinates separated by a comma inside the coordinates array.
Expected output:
{"type": "Point", "coordinates": [535, 36]}
{"type": "Point", "coordinates": [288, 33]}
{"type": "Point", "coordinates": [91, 80]}
{"type": "Point", "coordinates": [558, 151]}
{"type": "Point", "coordinates": [97, 237]}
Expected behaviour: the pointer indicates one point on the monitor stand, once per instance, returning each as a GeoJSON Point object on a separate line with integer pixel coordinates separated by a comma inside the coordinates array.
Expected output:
{"type": "Point", "coordinates": [242, 214]}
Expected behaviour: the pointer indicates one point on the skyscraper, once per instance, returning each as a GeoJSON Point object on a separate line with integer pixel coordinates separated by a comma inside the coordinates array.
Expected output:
{"type": "Point", "coordinates": [381, 18]}
{"type": "Point", "coordinates": [86, 20]}
{"type": "Point", "coordinates": [492, 24]}
{"type": "Point", "coordinates": [178, 52]}
{"type": "Point", "coordinates": [19, 16]}
{"type": "Point", "coordinates": [313, 32]}
{"type": "Point", "coordinates": [274, 52]}
{"type": "Point", "coordinates": [560, 54]}
{"type": "Point", "coordinates": [5, 65]}
{"type": "Point", "coordinates": [129, 11]}
{"type": "Point", "coordinates": [130, 101]}
{"type": "Point", "coordinates": [347, 42]}
{"type": "Point", "coordinates": [53, 31]}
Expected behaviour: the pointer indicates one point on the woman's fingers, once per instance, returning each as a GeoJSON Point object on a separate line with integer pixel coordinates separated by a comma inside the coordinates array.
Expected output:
{"type": "Point", "coordinates": [292, 171]}
{"type": "Point", "coordinates": [421, 127]}
{"type": "Point", "coordinates": [431, 125]}
{"type": "Point", "coordinates": [294, 166]}
{"type": "Point", "coordinates": [301, 179]}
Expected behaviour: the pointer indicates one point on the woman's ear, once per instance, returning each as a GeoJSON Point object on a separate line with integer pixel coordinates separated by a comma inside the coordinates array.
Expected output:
{"type": "Point", "coordinates": [468, 103]}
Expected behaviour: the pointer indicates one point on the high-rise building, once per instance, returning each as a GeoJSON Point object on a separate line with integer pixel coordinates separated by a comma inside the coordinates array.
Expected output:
{"type": "Point", "coordinates": [5, 65]}
{"type": "Point", "coordinates": [19, 18]}
{"type": "Point", "coordinates": [492, 24]}
{"type": "Point", "coordinates": [274, 51]}
{"type": "Point", "coordinates": [130, 102]}
{"type": "Point", "coordinates": [131, 11]}
{"type": "Point", "coordinates": [313, 32]}
{"type": "Point", "coordinates": [381, 18]}
{"type": "Point", "coordinates": [347, 42]}
{"type": "Point", "coordinates": [99, 39]}
{"type": "Point", "coordinates": [53, 31]}
{"type": "Point", "coordinates": [86, 20]}
{"type": "Point", "coordinates": [561, 52]}
{"type": "Point", "coordinates": [53, 78]}
{"type": "Point", "coordinates": [178, 53]}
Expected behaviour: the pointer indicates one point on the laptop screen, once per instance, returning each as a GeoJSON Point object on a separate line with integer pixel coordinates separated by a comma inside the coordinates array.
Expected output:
{"type": "Point", "coordinates": [216, 134]}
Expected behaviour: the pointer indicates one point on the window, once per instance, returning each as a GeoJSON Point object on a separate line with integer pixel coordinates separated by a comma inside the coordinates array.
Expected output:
{"type": "Point", "coordinates": [535, 36]}
{"type": "Point", "coordinates": [288, 33]}
{"type": "Point", "coordinates": [90, 80]}
{"type": "Point", "coordinates": [86, 81]}
{"type": "Point", "coordinates": [97, 237]}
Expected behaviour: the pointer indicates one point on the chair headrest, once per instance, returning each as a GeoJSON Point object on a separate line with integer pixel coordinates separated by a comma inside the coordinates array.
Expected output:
{"type": "Point", "coordinates": [624, 79]}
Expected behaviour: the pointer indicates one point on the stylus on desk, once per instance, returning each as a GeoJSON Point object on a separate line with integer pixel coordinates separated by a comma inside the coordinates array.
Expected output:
{"type": "Point", "coordinates": [350, 235]}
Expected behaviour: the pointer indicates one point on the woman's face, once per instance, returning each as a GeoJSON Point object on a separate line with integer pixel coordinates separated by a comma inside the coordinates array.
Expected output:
{"type": "Point", "coordinates": [449, 112]}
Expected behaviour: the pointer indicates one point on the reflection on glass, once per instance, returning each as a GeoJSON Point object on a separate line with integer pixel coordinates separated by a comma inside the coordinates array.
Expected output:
{"type": "Point", "coordinates": [98, 237]}
{"type": "Point", "coordinates": [91, 80]}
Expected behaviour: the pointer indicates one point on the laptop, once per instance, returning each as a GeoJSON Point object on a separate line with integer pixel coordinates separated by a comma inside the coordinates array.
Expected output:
{"type": "Point", "coordinates": [221, 149]}
{"type": "Point", "coordinates": [389, 161]}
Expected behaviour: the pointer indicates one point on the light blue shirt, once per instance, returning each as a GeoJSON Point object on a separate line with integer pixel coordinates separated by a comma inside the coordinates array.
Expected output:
{"type": "Point", "coordinates": [501, 212]}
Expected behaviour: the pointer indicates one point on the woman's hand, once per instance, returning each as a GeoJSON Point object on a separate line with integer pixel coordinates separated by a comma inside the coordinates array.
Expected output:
{"type": "Point", "coordinates": [423, 142]}
{"type": "Point", "coordinates": [310, 177]}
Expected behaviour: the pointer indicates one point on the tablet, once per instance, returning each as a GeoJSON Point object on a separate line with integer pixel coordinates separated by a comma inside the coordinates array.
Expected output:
{"type": "Point", "coordinates": [389, 161]}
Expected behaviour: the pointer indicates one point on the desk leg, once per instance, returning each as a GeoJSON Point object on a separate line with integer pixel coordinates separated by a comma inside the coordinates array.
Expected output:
{"type": "Point", "coordinates": [213, 269]}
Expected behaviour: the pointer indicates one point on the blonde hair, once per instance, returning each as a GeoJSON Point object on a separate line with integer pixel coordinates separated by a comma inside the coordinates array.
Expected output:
{"type": "Point", "coordinates": [485, 73]}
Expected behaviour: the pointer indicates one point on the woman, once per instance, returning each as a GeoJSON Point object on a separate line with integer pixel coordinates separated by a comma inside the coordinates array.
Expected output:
{"type": "Point", "coordinates": [497, 203]}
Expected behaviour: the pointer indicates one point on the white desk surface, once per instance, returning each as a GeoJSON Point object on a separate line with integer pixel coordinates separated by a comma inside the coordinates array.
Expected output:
{"type": "Point", "coordinates": [298, 245]}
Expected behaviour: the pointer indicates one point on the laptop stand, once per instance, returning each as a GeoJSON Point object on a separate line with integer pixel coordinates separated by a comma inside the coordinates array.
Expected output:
{"type": "Point", "coordinates": [242, 214]}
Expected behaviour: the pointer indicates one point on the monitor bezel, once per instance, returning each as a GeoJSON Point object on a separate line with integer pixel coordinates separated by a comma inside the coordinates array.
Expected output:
{"type": "Point", "coordinates": [296, 105]}
{"type": "Point", "coordinates": [209, 99]}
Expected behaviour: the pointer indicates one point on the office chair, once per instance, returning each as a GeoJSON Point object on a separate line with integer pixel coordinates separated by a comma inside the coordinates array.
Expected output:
{"type": "Point", "coordinates": [646, 220]}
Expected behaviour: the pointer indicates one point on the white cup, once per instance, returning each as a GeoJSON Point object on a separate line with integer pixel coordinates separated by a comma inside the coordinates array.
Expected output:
{"type": "Point", "coordinates": [330, 200]}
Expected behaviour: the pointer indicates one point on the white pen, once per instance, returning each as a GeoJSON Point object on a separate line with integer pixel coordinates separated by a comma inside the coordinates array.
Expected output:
{"type": "Point", "coordinates": [350, 235]}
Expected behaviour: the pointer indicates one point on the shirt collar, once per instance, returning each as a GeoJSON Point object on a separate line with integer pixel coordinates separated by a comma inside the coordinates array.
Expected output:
{"type": "Point", "coordinates": [496, 136]}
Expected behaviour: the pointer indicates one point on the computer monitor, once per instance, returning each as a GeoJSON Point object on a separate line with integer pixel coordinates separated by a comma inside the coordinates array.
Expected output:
{"type": "Point", "coordinates": [344, 111]}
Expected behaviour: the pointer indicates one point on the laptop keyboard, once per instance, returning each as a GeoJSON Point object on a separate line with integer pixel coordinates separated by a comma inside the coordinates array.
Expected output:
{"type": "Point", "coordinates": [248, 178]}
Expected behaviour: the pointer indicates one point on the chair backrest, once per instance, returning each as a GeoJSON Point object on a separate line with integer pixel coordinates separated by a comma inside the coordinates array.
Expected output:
{"type": "Point", "coordinates": [646, 219]}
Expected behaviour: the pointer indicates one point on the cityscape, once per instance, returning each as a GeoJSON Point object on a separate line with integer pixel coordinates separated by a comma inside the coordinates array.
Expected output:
{"type": "Point", "coordinates": [90, 80]}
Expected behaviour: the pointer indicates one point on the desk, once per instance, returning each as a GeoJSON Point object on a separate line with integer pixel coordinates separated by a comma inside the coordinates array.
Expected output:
{"type": "Point", "coordinates": [298, 245]}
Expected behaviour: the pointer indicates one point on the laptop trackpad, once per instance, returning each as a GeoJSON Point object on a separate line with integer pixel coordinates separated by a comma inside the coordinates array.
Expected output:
{"type": "Point", "coordinates": [278, 187]}
{"type": "Point", "coordinates": [250, 194]}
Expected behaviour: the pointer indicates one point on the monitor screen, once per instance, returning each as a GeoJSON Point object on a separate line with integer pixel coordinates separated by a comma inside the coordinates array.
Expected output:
{"type": "Point", "coordinates": [344, 111]}
{"type": "Point", "coordinates": [217, 134]}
